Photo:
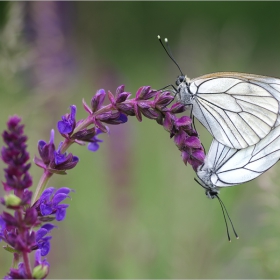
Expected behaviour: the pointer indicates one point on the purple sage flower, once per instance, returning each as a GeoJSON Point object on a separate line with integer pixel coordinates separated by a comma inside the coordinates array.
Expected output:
{"type": "Point", "coordinates": [67, 125]}
{"type": "Point", "coordinates": [43, 241]}
{"type": "Point", "coordinates": [63, 161]}
{"type": "Point", "coordinates": [16, 228]}
{"type": "Point", "coordinates": [54, 160]}
{"type": "Point", "coordinates": [46, 151]}
{"type": "Point", "coordinates": [49, 203]}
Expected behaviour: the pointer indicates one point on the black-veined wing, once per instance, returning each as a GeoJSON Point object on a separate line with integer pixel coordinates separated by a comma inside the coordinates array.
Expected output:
{"type": "Point", "coordinates": [226, 167]}
{"type": "Point", "coordinates": [237, 109]}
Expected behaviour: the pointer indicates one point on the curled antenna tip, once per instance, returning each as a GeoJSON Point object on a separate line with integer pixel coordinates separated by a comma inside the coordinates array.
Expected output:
{"type": "Point", "coordinates": [158, 36]}
{"type": "Point", "coordinates": [165, 40]}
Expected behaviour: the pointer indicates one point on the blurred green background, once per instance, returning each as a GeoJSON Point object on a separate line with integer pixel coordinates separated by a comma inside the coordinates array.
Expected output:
{"type": "Point", "coordinates": [137, 212]}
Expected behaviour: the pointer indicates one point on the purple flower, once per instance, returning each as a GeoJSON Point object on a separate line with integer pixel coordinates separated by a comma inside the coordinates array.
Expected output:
{"type": "Point", "coordinates": [63, 161]}
{"type": "Point", "coordinates": [43, 241]}
{"type": "Point", "coordinates": [46, 151]}
{"type": "Point", "coordinates": [49, 203]}
{"type": "Point", "coordinates": [18, 273]}
{"type": "Point", "coordinates": [93, 145]}
{"type": "Point", "coordinates": [54, 160]}
{"type": "Point", "coordinates": [68, 123]}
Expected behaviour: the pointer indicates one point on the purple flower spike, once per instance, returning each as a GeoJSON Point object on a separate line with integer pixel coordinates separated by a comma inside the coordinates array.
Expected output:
{"type": "Point", "coordinates": [68, 123]}
{"type": "Point", "coordinates": [16, 157]}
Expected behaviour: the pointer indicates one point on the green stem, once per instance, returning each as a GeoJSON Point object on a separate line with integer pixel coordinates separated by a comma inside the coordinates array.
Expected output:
{"type": "Point", "coordinates": [41, 185]}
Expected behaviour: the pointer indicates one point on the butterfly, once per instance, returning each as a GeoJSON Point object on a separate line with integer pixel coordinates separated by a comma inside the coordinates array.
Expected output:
{"type": "Point", "coordinates": [238, 109]}
{"type": "Point", "coordinates": [225, 167]}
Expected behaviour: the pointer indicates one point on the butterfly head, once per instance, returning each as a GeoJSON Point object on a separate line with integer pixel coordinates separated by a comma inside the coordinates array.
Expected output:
{"type": "Point", "coordinates": [211, 193]}
{"type": "Point", "coordinates": [184, 94]}
{"type": "Point", "coordinates": [204, 174]}
{"type": "Point", "coordinates": [180, 79]}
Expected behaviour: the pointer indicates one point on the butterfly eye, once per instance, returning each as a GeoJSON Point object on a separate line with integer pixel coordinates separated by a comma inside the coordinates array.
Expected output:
{"type": "Point", "coordinates": [179, 80]}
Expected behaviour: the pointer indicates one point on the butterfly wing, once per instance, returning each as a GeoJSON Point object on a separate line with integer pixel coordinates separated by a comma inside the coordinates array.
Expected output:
{"type": "Point", "coordinates": [237, 109]}
{"type": "Point", "coordinates": [231, 167]}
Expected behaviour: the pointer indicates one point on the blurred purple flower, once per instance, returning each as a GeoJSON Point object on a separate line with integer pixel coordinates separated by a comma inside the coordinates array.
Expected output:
{"type": "Point", "coordinates": [15, 156]}
{"type": "Point", "coordinates": [2, 228]}
{"type": "Point", "coordinates": [17, 273]}
{"type": "Point", "coordinates": [68, 123]}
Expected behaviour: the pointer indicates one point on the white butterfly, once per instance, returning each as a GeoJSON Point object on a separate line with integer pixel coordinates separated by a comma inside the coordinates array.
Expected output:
{"type": "Point", "coordinates": [224, 167]}
{"type": "Point", "coordinates": [238, 109]}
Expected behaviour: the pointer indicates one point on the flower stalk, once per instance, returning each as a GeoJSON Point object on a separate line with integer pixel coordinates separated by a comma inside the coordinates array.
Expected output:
{"type": "Point", "coordinates": [38, 210]}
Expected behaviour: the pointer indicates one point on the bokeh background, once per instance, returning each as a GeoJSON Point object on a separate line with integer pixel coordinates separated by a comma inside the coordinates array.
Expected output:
{"type": "Point", "coordinates": [137, 212]}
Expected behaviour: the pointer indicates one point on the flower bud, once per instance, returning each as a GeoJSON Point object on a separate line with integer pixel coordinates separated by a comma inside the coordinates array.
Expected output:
{"type": "Point", "coordinates": [12, 200]}
{"type": "Point", "coordinates": [97, 100]}
{"type": "Point", "coordinates": [40, 271]}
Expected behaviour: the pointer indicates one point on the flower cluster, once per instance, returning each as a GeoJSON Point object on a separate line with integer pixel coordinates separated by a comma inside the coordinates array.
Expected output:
{"type": "Point", "coordinates": [17, 229]}
{"type": "Point", "coordinates": [38, 210]}
{"type": "Point", "coordinates": [149, 103]}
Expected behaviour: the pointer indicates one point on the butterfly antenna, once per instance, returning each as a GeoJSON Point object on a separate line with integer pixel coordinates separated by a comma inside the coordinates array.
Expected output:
{"type": "Point", "coordinates": [222, 206]}
{"type": "Point", "coordinates": [169, 53]}
{"type": "Point", "coordinates": [221, 202]}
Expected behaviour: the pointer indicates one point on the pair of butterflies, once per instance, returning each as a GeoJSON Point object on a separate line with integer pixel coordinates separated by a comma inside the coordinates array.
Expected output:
{"type": "Point", "coordinates": [241, 111]}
